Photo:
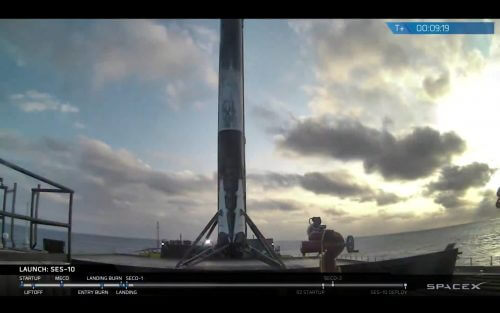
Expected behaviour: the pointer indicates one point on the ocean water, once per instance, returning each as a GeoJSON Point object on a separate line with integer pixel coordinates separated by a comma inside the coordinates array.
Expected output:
{"type": "Point", "coordinates": [82, 243]}
{"type": "Point", "coordinates": [479, 241]}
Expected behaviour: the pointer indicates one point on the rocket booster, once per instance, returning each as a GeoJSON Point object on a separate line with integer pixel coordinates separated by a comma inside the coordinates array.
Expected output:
{"type": "Point", "coordinates": [231, 137]}
{"type": "Point", "coordinates": [231, 216]}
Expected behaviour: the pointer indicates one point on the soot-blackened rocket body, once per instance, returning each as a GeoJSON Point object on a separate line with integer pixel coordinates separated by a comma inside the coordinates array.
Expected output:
{"type": "Point", "coordinates": [231, 137]}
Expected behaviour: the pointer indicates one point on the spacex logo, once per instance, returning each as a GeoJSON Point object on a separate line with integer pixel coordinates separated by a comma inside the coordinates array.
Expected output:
{"type": "Point", "coordinates": [454, 286]}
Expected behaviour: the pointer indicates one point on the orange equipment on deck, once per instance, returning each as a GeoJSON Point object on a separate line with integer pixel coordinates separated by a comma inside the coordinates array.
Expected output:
{"type": "Point", "coordinates": [316, 235]}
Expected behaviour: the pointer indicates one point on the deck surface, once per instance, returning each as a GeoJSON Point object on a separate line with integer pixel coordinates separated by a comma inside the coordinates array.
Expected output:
{"type": "Point", "coordinates": [168, 264]}
{"type": "Point", "coordinates": [12, 256]}
{"type": "Point", "coordinates": [20, 258]}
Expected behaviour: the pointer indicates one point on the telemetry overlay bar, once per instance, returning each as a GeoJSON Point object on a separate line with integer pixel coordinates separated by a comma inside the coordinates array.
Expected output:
{"type": "Point", "coordinates": [441, 28]}
{"type": "Point", "coordinates": [127, 285]}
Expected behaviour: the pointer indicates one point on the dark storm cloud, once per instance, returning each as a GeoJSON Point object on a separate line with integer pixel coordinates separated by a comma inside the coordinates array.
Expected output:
{"type": "Point", "coordinates": [415, 155]}
{"type": "Point", "coordinates": [347, 140]}
{"type": "Point", "coordinates": [342, 185]}
{"type": "Point", "coordinates": [388, 221]}
{"type": "Point", "coordinates": [384, 198]}
{"type": "Point", "coordinates": [450, 200]}
{"type": "Point", "coordinates": [454, 181]}
{"type": "Point", "coordinates": [486, 208]}
{"type": "Point", "coordinates": [457, 208]}
{"type": "Point", "coordinates": [332, 184]}
{"type": "Point", "coordinates": [338, 184]}
{"type": "Point", "coordinates": [460, 178]}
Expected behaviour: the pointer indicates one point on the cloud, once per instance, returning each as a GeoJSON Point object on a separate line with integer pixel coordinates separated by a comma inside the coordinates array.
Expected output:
{"type": "Point", "coordinates": [150, 51]}
{"type": "Point", "coordinates": [66, 108]}
{"type": "Point", "coordinates": [451, 200]}
{"type": "Point", "coordinates": [338, 184]}
{"type": "Point", "coordinates": [454, 181]}
{"type": "Point", "coordinates": [458, 208]}
{"type": "Point", "coordinates": [383, 214]}
{"type": "Point", "coordinates": [345, 46]}
{"type": "Point", "coordinates": [11, 141]}
{"type": "Point", "coordinates": [79, 125]}
{"type": "Point", "coordinates": [273, 180]}
{"type": "Point", "coordinates": [272, 119]}
{"type": "Point", "coordinates": [384, 198]}
{"type": "Point", "coordinates": [15, 143]}
{"type": "Point", "coordinates": [35, 101]}
{"type": "Point", "coordinates": [334, 212]}
{"type": "Point", "coordinates": [486, 207]}
{"type": "Point", "coordinates": [368, 40]}
{"type": "Point", "coordinates": [386, 221]}
{"type": "Point", "coordinates": [363, 71]}
{"type": "Point", "coordinates": [274, 205]}
{"type": "Point", "coordinates": [461, 178]}
{"type": "Point", "coordinates": [179, 59]}
{"type": "Point", "coordinates": [117, 193]}
{"type": "Point", "coordinates": [414, 155]}
{"type": "Point", "coordinates": [107, 166]}
{"type": "Point", "coordinates": [206, 38]}
{"type": "Point", "coordinates": [342, 185]}
{"type": "Point", "coordinates": [438, 86]}
{"type": "Point", "coordinates": [120, 168]}
{"type": "Point", "coordinates": [393, 221]}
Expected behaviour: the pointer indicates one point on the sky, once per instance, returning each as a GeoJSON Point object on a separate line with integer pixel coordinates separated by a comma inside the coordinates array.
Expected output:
{"type": "Point", "coordinates": [374, 132]}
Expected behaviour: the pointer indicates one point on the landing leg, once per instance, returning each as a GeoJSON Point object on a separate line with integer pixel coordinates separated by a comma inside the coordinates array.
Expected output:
{"type": "Point", "coordinates": [211, 226]}
{"type": "Point", "coordinates": [271, 258]}
{"type": "Point", "coordinates": [202, 256]}
{"type": "Point", "coordinates": [262, 240]}
{"type": "Point", "coordinates": [262, 257]}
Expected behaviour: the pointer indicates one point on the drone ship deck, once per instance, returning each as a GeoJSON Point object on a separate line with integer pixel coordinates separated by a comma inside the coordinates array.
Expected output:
{"type": "Point", "coordinates": [135, 263]}
{"type": "Point", "coordinates": [441, 262]}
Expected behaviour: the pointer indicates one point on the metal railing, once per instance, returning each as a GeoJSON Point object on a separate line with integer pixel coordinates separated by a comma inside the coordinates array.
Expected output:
{"type": "Point", "coordinates": [360, 257]}
{"type": "Point", "coordinates": [6, 191]}
{"type": "Point", "coordinates": [35, 197]}
{"type": "Point", "coordinates": [491, 260]}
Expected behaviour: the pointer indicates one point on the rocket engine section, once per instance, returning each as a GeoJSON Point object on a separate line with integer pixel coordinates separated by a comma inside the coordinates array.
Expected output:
{"type": "Point", "coordinates": [231, 139]}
